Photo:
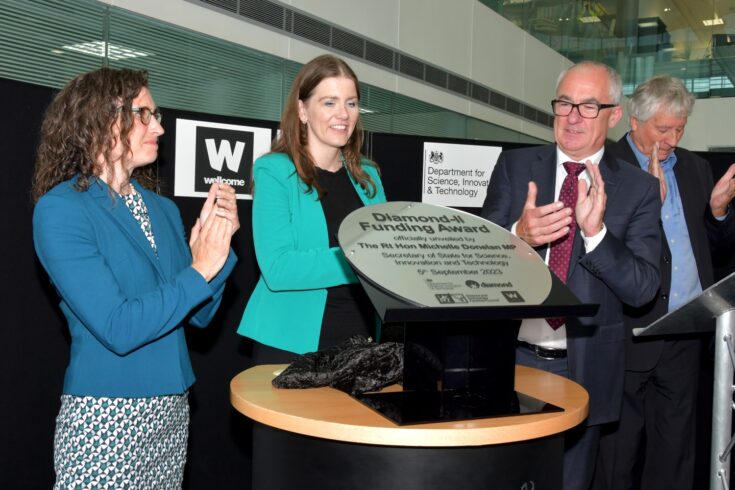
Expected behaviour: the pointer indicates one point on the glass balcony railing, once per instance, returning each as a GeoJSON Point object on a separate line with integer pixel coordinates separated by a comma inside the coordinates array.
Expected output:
{"type": "Point", "coordinates": [693, 40]}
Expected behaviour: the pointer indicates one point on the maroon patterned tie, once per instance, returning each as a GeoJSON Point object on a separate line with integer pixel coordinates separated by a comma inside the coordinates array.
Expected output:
{"type": "Point", "coordinates": [561, 250]}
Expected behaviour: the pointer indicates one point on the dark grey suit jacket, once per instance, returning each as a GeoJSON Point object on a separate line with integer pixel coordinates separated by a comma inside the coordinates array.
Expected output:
{"type": "Point", "coordinates": [707, 234]}
{"type": "Point", "coordinates": [623, 268]}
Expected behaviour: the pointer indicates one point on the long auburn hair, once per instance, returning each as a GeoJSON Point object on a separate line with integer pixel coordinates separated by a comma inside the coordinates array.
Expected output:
{"type": "Point", "coordinates": [78, 130]}
{"type": "Point", "coordinates": [293, 139]}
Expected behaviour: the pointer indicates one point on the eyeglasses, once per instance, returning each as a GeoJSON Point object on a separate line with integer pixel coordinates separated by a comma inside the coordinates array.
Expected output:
{"type": "Point", "coordinates": [588, 110]}
{"type": "Point", "coordinates": [145, 113]}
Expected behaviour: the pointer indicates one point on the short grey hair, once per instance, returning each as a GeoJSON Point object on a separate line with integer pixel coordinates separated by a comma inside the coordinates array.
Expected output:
{"type": "Point", "coordinates": [613, 79]}
{"type": "Point", "coordinates": [661, 92]}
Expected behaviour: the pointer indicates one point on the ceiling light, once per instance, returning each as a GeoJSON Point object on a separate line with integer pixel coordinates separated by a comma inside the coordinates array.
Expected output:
{"type": "Point", "coordinates": [648, 24]}
{"type": "Point", "coordinates": [589, 19]}
{"type": "Point", "coordinates": [713, 22]}
{"type": "Point", "coordinates": [667, 9]}
{"type": "Point", "coordinates": [97, 48]}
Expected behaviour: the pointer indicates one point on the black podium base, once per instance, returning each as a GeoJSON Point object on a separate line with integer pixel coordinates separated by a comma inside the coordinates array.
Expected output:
{"type": "Point", "coordinates": [420, 407]}
{"type": "Point", "coordinates": [286, 460]}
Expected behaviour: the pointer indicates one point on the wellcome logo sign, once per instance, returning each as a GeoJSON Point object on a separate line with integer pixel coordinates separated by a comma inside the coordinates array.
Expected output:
{"type": "Point", "coordinates": [220, 147]}
{"type": "Point", "coordinates": [208, 152]}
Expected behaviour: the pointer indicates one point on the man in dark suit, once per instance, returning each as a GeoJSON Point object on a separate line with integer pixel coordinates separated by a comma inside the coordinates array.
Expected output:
{"type": "Point", "coordinates": [611, 228]}
{"type": "Point", "coordinates": [660, 389]}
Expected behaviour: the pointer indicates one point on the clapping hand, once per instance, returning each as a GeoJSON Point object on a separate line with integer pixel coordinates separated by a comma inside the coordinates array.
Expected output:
{"type": "Point", "coordinates": [590, 208]}
{"type": "Point", "coordinates": [221, 199]}
{"type": "Point", "coordinates": [210, 244]}
{"type": "Point", "coordinates": [213, 230]}
{"type": "Point", "coordinates": [723, 193]}
{"type": "Point", "coordinates": [543, 224]}
{"type": "Point", "coordinates": [654, 168]}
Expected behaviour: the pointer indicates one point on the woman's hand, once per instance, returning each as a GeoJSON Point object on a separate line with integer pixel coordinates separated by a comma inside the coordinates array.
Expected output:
{"type": "Point", "coordinates": [226, 205]}
{"type": "Point", "coordinates": [221, 200]}
{"type": "Point", "coordinates": [210, 244]}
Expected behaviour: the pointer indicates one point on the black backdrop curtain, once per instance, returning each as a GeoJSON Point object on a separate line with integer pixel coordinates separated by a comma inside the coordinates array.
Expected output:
{"type": "Point", "coordinates": [35, 347]}
{"type": "Point", "coordinates": [35, 343]}
{"type": "Point", "coordinates": [34, 351]}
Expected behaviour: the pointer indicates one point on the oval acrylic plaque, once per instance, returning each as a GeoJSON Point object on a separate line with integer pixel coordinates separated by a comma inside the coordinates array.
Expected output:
{"type": "Point", "coordinates": [433, 256]}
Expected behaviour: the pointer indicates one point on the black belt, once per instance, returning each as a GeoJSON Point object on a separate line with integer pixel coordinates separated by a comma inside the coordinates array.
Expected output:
{"type": "Point", "coordinates": [543, 352]}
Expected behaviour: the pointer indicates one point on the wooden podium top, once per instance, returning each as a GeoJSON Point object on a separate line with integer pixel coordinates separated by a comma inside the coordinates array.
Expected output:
{"type": "Point", "coordinates": [331, 414]}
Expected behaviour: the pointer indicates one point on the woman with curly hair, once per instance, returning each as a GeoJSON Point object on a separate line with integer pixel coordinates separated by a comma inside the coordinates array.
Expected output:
{"type": "Point", "coordinates": [116, 253]}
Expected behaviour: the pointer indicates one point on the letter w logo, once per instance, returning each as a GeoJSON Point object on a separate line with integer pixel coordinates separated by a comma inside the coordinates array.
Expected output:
{"type": "Point", "coordinates": [224, 154]}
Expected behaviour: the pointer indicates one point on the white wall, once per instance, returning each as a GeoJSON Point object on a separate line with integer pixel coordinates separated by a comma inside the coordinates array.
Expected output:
{"type": "Point", "coordinates": [462, 36]}
{"type": "Point", "coordinates": [712, 124]}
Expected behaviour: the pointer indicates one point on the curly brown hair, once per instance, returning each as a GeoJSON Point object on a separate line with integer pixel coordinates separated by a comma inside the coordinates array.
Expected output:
{"type": "Point", "coordinates": [293, 138]}
{"type": "Point", "coordinates": [78, 129]}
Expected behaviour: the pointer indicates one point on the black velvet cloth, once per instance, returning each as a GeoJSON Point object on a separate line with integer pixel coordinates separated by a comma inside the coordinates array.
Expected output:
{"type": "Point", "coordinates": [355, 366]}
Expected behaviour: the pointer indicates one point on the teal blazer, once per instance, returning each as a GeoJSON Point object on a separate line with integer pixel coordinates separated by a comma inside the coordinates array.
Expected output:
{"type": "Point", "coordinates": [296, 263]}
{"type": "Point", "coordinates": [125, 307]}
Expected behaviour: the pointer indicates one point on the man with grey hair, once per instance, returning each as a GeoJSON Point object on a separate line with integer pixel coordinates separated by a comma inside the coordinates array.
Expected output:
{"type": "Point", "coordinates": [595, 220]}
{"type": "Point", "coordinates": [660, 389]}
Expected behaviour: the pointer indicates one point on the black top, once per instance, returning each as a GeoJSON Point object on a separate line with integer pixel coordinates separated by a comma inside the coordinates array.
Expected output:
{"type": "Point", "coordinates": [348, 311]}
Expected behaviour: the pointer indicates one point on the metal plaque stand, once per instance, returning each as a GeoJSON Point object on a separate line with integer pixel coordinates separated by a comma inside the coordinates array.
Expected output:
{"type": "Point", "coordinates": [456, 283]}
{"type": "Point", "coordinates": [717, 301]}
{"type": "Point", "coordinates": [459, 363]}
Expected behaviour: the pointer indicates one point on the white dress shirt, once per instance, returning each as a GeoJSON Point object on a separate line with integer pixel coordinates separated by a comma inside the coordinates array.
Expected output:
{"type": "Point", "coordinates": [536, 330]}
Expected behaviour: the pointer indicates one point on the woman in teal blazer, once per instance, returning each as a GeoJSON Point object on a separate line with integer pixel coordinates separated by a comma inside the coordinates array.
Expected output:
{"type": "Point", "coordinates": [117, 255]}
{"type": "Point", "coordinates": [307, 297]}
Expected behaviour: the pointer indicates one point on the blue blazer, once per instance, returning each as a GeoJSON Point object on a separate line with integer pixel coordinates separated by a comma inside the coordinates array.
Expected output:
{"type": "Point", "coordinates": [125, 307]}
{"type": "Point", "coordinates": [296, 263]}
{"type": "Point", "coordinates": [623, 268]}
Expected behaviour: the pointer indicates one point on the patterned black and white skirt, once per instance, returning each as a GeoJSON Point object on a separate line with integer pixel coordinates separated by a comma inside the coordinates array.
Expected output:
{"type": "Point", "coordinates": [116, 443]}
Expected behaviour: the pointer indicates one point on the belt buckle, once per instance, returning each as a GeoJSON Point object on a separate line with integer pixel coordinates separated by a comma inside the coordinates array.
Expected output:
{"type": "Point", "coordinates": [537, 350]}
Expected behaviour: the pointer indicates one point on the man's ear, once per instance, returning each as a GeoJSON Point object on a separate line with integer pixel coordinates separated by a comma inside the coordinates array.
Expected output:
{"type": "Point", "coordinates": [634, 124]}
{"type": "Point", "coordinates": [617, 114]}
